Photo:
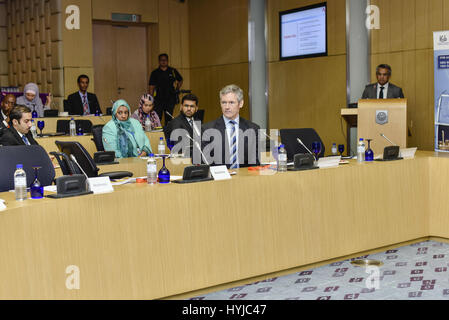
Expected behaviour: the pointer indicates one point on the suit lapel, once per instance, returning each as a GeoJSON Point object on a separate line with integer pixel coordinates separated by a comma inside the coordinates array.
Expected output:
{"type": "Point", "coordinates": [17, 136]}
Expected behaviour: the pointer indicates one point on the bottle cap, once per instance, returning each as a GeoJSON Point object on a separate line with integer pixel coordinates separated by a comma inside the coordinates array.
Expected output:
{"type": "Point", "coordinates": [151, 154]}
{"type": "Point", "coordinates": [361, 139]}
{"type": "Point", "coordinates": [161, 138]}
{"type": "Point", "coordinates": [71, 119]}
{"type": "Point", "coordinates": [281, 146]}
{"type": "Point", "coordinates": [19, 166]}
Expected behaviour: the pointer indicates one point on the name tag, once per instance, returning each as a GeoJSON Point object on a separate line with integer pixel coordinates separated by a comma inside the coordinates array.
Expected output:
{"type": "Point", "coordinates": [100, 185]}
{"type": "Point", "coordinates": [220, 173]}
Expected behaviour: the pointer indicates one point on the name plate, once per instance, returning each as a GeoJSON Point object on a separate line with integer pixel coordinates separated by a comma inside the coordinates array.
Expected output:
{"type": "Point", "coordinates": [2, 205]}
{"type": "Point", "coordinates": [220, 173]}
{"type": "Point", "coordinates": [100, 185]}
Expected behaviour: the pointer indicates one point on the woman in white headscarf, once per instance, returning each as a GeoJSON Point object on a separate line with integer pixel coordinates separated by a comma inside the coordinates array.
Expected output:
{"type": "Point", "coordinates": [32, 100]}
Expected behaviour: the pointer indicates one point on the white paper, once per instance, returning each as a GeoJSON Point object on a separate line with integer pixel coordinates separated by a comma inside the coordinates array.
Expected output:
{"type": "Point", "coordinates": [220, 173]}
{"type": "Point", "coordinates": [100, 185]}
{"type": "Point", "coordinates": [408, 153]}
{"type": "Point", "coordinates": [2, 205]}
{"type": "Point", "coordinates": [329, 162]}
{"type": "Point", "coordinates": [50, 188]}
{"type": "Point", "coordinates": [173, 178]}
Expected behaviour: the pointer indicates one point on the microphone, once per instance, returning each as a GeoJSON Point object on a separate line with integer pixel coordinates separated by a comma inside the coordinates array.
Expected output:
{"type": "Point", "coordinates": [383, 136]}
{"type": "Point", "coordinates": [198, 147]}
{"type": "Point", "coordinates": [169, 114]}
{"type": "Point", "coordinates": [74, 160]}
{"type": "Point", "coordinates": [301, 143]}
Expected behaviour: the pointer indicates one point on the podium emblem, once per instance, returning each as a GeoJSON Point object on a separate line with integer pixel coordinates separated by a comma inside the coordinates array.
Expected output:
{"type": "Point", "coordinates": [381, 117]}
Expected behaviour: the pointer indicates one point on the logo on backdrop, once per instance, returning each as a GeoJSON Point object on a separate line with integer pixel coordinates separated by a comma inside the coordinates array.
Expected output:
{"type": "Point", "coordinates": [72, 22]}
{"type": "Point", "coordinates": [373, 17]}
{"type": "Point", "coordinates": [382, 117]}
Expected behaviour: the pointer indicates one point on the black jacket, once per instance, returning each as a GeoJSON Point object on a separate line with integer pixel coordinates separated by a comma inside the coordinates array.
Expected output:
{"type": "Point", "coordinates": [75, 105]}
{"type": "Point", "coordinates": [10, 137]}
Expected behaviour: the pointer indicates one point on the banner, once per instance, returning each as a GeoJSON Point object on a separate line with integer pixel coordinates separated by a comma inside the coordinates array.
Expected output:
{"type": "Point", "coordinates": [441, 72]}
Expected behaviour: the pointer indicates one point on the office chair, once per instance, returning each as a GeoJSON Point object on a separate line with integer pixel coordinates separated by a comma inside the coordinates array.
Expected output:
{"type": "Point", "coordinates": [308, 136]}
{"type": "Point", "coordinates": [66, 105]}
{"type": "Point", "coordinates": [64, 126]}
{"type": "Point", "coordinates": [67, 165]}
{"type": "Point", "coordinates": [29, 157]}
{"type": "Point", "coordinates": [109, 111]}
{"type": "Point", "coordinates": [50, 113]}
{"type": "Point", "coordinates": [97, 132]}
{"type": "Point", "coordinates": [86, 162]}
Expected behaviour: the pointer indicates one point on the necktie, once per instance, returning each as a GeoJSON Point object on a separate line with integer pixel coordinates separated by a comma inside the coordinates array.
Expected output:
{"type": "Point", "coordinates": [191, 122]}
{"type": "Point", "coordinates": [24, 138]}
{"type": "Point", "coordinates": [85, 105]}
{"type": "Point", "coordinates": [234, 155]}
{"type": "Point", "coordinates": [381, 94]}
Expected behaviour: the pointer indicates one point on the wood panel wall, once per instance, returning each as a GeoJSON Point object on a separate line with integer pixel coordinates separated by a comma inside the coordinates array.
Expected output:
{"type": "Point", "coordinates": [4, 81]}
{"type": "Point", "coordinates": [405, 41]}
{"type": "Point", "coordinates": [309, 93]}
{"type": "Point", "coordinates": [218, 51]}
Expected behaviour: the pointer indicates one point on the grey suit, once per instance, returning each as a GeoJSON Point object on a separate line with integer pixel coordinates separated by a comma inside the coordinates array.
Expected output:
{"type": "Point", "coordinates": [393, 91]}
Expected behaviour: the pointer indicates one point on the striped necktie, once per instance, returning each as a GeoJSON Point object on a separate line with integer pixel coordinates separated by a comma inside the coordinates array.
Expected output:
{"type": "Point", "coordinates": [234, 156]}
{"type": "Point", "coordinates": [85, 105]}
{"type": "Point", "coordinates": [24, 138]}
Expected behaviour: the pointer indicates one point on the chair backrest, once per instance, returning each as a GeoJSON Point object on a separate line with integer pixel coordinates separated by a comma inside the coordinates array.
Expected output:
{"type": "Point", "coordinates": [307, 136]}
{"type": "Point", "coordinates": [68, 167]}
{"type": "Point", "coordinates": [29, 157]}
{"type": "Point", "coordinates": [82, 156]}
{"type": "Point", "coordinates": [64, 126]}
{"type": "Point", "coordinates": [109, 111]}
{"type": "Point", "coordinates": [51, 113]}
{"type": "Point", "coordinates": [97, 132]}
{"type": "Point", "coordinates": [66, 105]}
{"type": "Point", "coordinates": [199, 115]}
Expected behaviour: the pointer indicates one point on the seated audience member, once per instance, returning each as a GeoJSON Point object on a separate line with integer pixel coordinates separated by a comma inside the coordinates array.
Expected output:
{"type": "Point", "coordinates": [231, 140]}
{"type": "Point", "coordinates": [185, 121]}
{"type": "Point", "coordinates": [8, 102]}
{"type": "Point", "coordinates": [32, 100]}
{"type": "Point", "coordinates": [146, 109]}
{"type": "Point", "coordinates": [124, 135]}
{"type": "Point", "coordinates": [19, 131]}
{"type": "Point", "coordinates": [383, 89]}
{"type": "Point", "coordinates": [82, 102]}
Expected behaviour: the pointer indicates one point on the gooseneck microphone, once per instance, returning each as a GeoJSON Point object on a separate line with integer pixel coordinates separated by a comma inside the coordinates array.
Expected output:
{"type": "Point", "coordinates": [383, 136]}
{"type": "Point", "coordinates": [169, 114]}
{"type": "Point", "coordinates": [198, 147]}
{"type": "Point", "coordinates": [301, 143]}
{"type": "Point", "coordinates": [76, 162]}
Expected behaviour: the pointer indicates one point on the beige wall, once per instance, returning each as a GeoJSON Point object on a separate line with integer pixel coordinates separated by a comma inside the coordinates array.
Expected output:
{"type": "Point", "coordinates": [218, 51]}
{"type": "Point", "coordinates": [405, 41]}
{"type": "Point", "coordinates": [309, 93]}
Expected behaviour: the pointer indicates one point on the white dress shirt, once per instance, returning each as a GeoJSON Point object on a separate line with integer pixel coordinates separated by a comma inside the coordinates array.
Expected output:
{"type": "Point", "coordinates": [385, 90]}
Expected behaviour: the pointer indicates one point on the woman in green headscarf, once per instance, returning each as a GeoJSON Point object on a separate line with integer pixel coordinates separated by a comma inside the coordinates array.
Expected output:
{"type": "Point", "coordinates": [125, 135]}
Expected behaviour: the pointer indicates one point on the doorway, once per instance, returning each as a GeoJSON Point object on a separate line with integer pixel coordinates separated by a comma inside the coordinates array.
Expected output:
{"type": "Point", "coordinates": [120, 63]}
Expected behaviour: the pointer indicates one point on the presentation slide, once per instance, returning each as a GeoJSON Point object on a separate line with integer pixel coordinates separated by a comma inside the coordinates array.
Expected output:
{"type": "Point", "coordinates": [303, 33]}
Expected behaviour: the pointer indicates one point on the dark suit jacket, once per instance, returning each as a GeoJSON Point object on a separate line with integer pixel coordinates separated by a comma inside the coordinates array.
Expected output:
{"type": "Point", "coordinates": [180, 122]}
{"type": "Point", "coordinates": [393, 91]}
{"type": "Point", "coordinates": [2, 125]}
{"type": "Point", "coordinates": [10, 137]}
{"type": "Point", "coordinates": [76, 105]}
{"type": "Point", "coordinates": [249, 153]}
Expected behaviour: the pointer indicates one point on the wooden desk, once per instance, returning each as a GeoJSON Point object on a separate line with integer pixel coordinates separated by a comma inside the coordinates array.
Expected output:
{"type": "Point", "coordinates": [350, 116]}
{"type": "Point", "coordinates": [48, 143]}
{"type": "Point", "coordinates": [50, 123]}
{"type": "Point", "coordinates": [144, 242]}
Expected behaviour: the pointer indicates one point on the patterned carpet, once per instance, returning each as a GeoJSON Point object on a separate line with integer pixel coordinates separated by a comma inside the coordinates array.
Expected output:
{"type": "Point", "coordinates": [418, 271]}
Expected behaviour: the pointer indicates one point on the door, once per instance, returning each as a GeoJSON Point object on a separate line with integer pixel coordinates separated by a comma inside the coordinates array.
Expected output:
{"type": "Point", "coordinates": [120, 63]}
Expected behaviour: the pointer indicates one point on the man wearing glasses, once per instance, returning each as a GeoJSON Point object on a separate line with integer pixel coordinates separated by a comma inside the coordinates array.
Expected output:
{"type": "Point", "coordinates": [383, 89]}
{"type": "Point", "coordinates": [8, 102]}
{"type": "Point", "coordinates": [231, 140]}
{"type": "Point", "coordinates": [184, 124]}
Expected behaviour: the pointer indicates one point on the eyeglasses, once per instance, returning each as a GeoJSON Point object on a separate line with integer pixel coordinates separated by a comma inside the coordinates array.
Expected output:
{"type": "Point", "coordinates": [231, 103]}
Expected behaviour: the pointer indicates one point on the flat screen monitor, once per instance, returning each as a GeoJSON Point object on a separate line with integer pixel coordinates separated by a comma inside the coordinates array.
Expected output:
{"type": "Point", "coordinates": [303, 32]}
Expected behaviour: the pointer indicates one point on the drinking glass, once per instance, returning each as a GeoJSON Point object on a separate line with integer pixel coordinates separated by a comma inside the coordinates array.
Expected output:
{"type": "Point", "coordinates": [36, 188]}
{"type": "Point", "coordinates": [41, 125]}
{"type": "Point", "coordinates": [164, 174]}
{"type": "Point", "coordinates": [316, 148]}
{"type": "Point", "coordinates": [80, 131]}
{"type": "Point", "coordinates": [341, 149]}
{"type": "Point", "coordinates": [369, 154]}
{"type": "Point", "coordinates": [170, 144]}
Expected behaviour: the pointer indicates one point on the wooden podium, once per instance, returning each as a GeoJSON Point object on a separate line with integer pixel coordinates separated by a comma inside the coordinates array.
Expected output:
{"type": "Point", "coordinates": [382, 116]}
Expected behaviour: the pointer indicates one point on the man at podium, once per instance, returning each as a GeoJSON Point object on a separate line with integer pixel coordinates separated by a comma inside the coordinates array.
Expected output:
{"type": "Point", "coordinates": [383, 89]}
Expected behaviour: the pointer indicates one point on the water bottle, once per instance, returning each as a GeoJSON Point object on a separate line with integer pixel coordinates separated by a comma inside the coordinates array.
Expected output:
{"type": "Point", "coordinates": [72, 127]}
{"type": "Point", "coordinates": [282, 159]}
{"type": "Point", "coordinates": [147, 124]}
{"type": "Point", "coordinates": [161, 146]}
{"type": "Point", "coordinates": [20, 183]}
{"type": "Point", "coordinates": [334, 149]}
{"type": "Point", "coordinates": [33, 129]}
{"type": "Point", "coordinates": [151, 170]}
{"type": "Point", "coordinates": [361, 151]}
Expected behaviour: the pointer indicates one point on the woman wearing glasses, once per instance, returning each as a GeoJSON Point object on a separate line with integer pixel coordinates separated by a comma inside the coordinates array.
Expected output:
{"type": "Point", "coordinates": [125, 135]}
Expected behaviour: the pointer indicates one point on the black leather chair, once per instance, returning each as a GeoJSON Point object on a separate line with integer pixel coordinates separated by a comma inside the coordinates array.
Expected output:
{"type": "Point", "coordinates": [29, 157]}
{"type": "Point", "coordinates": [109, 111]}
{"type": "Point", "coordinates": [51, 113]}
{"type": "Point", "coordinates": [64, 126]}
{"type": "Point", "coordinates": [97, 132]}
{"type": "Point", "coordinates": [86, 162]}
{"type": "Point", "coordinates": [307, 136]}
{"type": "Point", "coordinates": [67, 165]}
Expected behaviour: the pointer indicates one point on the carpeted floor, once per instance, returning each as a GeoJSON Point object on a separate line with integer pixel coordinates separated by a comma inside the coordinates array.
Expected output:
{"type": "Point", "coordinates": [418, 271]}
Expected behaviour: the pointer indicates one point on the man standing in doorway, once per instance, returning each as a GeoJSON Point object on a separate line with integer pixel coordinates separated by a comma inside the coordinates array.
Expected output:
{"type": "Point", "coordinates": [164, 85]}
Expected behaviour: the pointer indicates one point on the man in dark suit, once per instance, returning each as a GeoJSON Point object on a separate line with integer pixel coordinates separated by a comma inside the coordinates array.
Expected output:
{"type": "Point", "coordinates": [231, 140]}
{"type": "Point", "coordinates": [383, 89]}
{"type": "Point", "coordinates": [82, 102]}
{"type": "Point", "coordinates": [184, 126]}
{"type": "Point", "coordinates": [8, 102]}
{"type": "Point", "coordinates": [19, 131]}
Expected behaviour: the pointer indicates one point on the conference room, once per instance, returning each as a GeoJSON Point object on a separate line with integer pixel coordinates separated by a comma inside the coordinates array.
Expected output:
{"type": "Point", "coordinates": [224, 150]}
